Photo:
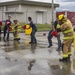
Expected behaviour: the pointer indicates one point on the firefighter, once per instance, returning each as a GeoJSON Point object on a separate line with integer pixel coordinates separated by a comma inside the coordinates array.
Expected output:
{"type": "Point", "coordinates": [17, 29]}
{"type": "Point", "coordinates": [67, 29]}
{"type": "Point", "coordinates": [7, 25]}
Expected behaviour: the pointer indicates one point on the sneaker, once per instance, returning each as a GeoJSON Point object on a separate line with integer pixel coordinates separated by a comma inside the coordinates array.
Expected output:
{"type": "Point", "coordinates": [7, 39]}
{"type": "Point", "coordinates": [58, 49]}
{"type": "Point", "coordinates": [35, 43]}
{"type": "Point", "coordinates": [30, 42]}
{"type": "Point", "coordinates": [3, 38]}
{"type": "Point", "coordinates": [49, 46]}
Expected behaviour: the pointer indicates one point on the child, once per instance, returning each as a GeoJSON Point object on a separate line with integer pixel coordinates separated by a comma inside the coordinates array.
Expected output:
{"type": "Point", "coordinates": [17, 29]}
{"type": "Point", "coordinates": [7, 25]}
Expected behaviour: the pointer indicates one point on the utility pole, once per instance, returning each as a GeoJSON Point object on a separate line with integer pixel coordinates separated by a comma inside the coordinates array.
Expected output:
{"type": "Point", "coordinates": [15, 12]}
{"type": "Point", "coordinates": [26, 15]}
{"type": "Point", "coordinates": [52, 13]}
{"type": "Point", "coordinates": [2, 12]}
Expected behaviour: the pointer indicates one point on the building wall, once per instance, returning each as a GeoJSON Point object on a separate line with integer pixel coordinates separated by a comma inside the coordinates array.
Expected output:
{"type": "Point", "coordinates": [32, 11]}
{"type": "Point", "coordinates": [12, 8]}
{"type": "Point", "coordinates": [28, 10]}
{"type": "Point", "coordinates": [1, 13]}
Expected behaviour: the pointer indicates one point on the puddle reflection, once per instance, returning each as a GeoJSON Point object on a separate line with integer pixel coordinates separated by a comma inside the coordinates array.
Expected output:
{"type": "Point", "coordinates": [73, 66]}
{"type": "Point", "coordinates": [11, 46]}
{"type": "Point", "coordinates": [31, 64]}
{"type": "Point", "coordinates": [63, 69]}
{"type": "Point", "coordinates": [33, 47]}
{"type": "Point", "coordinates": [0, 38]}
{"type": "Point", "coordinates": [67, 67]}
{"type": "Point", "coordinates": [16, 45]}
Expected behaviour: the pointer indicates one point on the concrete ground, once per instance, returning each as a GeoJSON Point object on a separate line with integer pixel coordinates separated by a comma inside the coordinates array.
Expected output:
{"type": "Point", "coordinates": [21, 58]}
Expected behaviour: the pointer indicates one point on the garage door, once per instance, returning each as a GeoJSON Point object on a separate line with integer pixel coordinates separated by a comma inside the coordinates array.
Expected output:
{"type": "Point", "coordinates": [40, 18]}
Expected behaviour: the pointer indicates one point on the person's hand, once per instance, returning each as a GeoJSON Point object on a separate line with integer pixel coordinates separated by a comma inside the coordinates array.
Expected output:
{"type": "Point", "coordinates": [18, 30]}
{"type": "Point", "coordinates": [54, 29]}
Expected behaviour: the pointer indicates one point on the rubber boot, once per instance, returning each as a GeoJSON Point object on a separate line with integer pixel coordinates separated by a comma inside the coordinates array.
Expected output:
{"type": "Point", "coordinates": [17, 38]}
{"type": "Point", "coordinates": [69, 57]}
{"type": "Point", "coordinates": [63, 59]}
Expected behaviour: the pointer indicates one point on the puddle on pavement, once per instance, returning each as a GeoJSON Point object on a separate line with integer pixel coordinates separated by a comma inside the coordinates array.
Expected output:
{"type": "Point", "coordinates": [17, 45]}
{"type": "Point", "coordinates": [55, 66]}
{"type": "Point", "coordinates": [31, 63]}
{"type": "Point", "coordinates": [7, 58]}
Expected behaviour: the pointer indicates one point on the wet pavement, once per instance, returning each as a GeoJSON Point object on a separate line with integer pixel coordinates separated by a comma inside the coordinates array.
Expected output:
{"type": "Point", "coordinates": [21, 58]}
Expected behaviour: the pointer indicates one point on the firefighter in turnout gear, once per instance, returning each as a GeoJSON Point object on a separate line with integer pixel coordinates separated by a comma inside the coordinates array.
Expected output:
{"type": "Point", "coordinates": [67, 29]}
{"type": "Point", "coordinates": [17, 29]}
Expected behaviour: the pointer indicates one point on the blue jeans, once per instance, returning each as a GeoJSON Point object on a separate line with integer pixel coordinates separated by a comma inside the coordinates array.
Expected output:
{"type": "Point", "coordinates": [5, 32]}
{"type": "Point", "coordinates": [33, 38]}
{"type": "Point", "coordinates": [50, 39]}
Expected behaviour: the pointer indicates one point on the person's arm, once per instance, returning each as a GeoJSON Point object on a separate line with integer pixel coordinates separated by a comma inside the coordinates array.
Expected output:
{"type": "Point", "coordinates": [63, 27]}
{"type": "Point", "coordinates": [55, 25]}
{"type": "Point", "coordinates": [10, 22]}
{"type": "Point", "coordinates": [31, 24]}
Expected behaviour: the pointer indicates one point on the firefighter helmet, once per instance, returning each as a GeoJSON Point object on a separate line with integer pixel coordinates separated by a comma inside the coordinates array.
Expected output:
{"type": "Point", "coordinates": [61, 17]}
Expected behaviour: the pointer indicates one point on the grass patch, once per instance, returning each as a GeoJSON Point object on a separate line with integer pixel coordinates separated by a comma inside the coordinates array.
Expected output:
{"type": "Point", "coordinates": [40, 27]}
{"type": "Point", "coordinates": [43, 27]}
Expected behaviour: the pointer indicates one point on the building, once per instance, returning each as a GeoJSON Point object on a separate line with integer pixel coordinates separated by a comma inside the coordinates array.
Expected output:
{"type": "Point", "coordinates": [41, 12]}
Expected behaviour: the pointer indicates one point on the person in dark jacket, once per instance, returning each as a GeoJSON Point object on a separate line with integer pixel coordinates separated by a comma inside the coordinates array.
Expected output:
{"type": "Point", "coordinates": [34, 30]}
{"type": "Point", "coordinates": [7, 25]}
{"type": "Point", "coordinates": [0, 31]}
{"type": "Point", "coordinates": [50, 37]}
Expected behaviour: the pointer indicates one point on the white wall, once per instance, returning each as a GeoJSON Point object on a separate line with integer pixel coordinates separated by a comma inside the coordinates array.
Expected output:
{"type": "Point", "coordinates": [12, 8]}
{"type": "Point", "coordinates": [29, 11]}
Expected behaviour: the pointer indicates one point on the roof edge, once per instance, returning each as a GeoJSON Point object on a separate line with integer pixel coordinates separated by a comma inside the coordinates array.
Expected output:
{"type": "Point", "coordinates": [28, 3]}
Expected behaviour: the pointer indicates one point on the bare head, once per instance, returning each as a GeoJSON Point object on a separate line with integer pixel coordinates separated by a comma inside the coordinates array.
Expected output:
{"type": "Point", "coordinates": [29, 19]}
{"type": "Point", "coordinates": [9, 17]}
{"type": "Point", "coordinates": [15, 21]}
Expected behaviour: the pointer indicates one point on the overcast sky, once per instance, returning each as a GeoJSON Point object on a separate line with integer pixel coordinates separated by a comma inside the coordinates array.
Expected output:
{"type": "Point", "coordinates": [64, 4]}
